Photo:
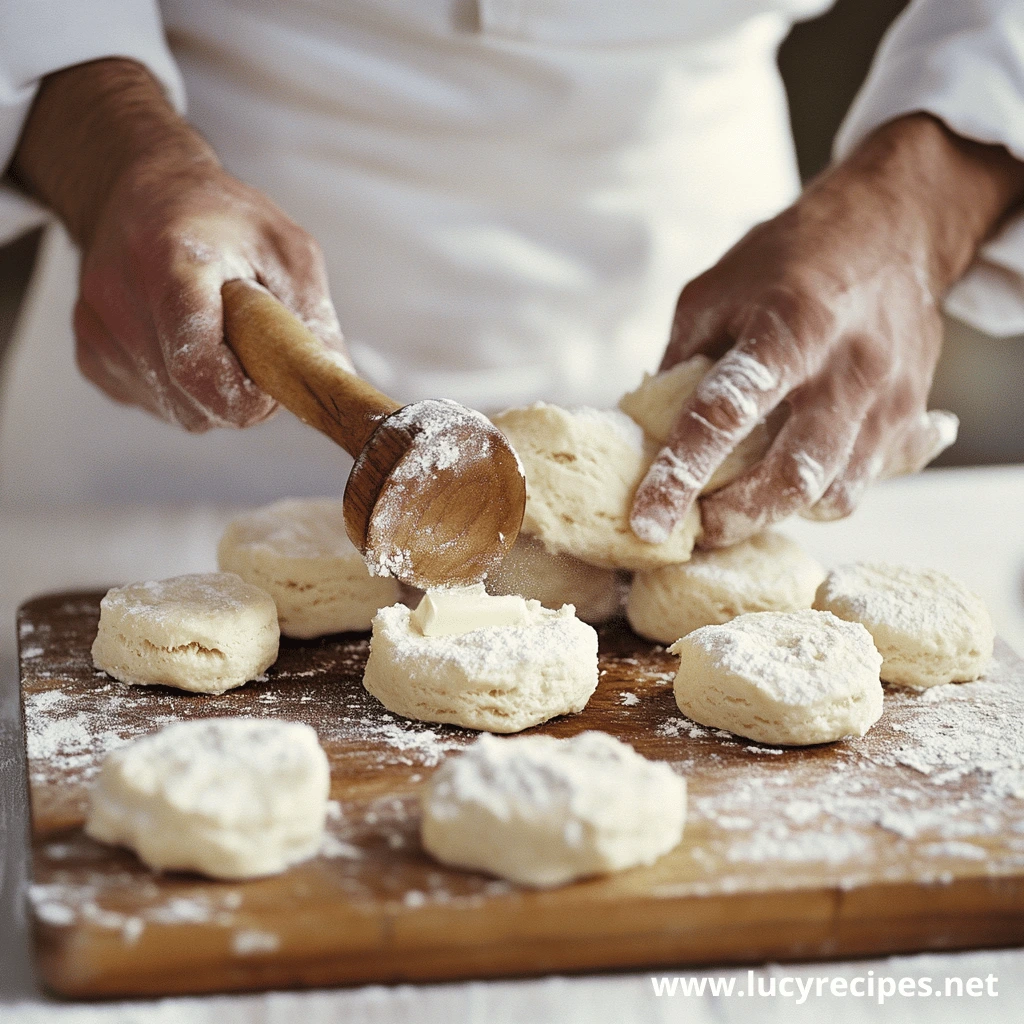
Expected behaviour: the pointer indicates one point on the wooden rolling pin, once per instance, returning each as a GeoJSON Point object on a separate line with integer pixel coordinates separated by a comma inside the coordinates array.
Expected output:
{"type": "Point", "coordinates": [436, 496]}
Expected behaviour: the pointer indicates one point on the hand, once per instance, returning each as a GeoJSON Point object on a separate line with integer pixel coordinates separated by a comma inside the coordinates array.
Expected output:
{"type": "Point", "coordinates": [149, 321]}
{"type": "Point", "coordinates": [161, 227]}
{"type": "Point", "coordinates": [831, 310]}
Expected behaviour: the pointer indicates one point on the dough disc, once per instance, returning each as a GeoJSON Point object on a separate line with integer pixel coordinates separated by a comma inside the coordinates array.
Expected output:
{"type": "Point", "coordinates": [228, 797]}
{"type": "Point", "coordinates": [206, 632]}
{"type": "Point", "coordinates": [542, 811]}
{"type": "Point", "coordinates": [499, 679]}
{"type": "Point", "coordinates": [297, 550]}
{"type": "Point", "coordinates": [769, 572]}
{"type": "Point", "coordinates": [789, 678]}
{"type": "Point", "coordinates": [929, 627]}
{"type": "Point", "coordinates": [583, 467]}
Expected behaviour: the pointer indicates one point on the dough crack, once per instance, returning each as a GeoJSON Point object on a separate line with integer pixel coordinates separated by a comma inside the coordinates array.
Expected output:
{"type": "Point", "coordinates": [191, 648]}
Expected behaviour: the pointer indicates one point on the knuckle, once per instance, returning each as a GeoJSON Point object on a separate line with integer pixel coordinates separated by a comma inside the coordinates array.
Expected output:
{"type": "Point", "coordinates": [869, 362]}
{"type": "Point", "coordinates": [192, 423]}
{"type": "Point", "coordinates": [718, 413]}
{"type": "Point", "coordinates": [788, 328]}
{"type": "Point", "coordinates": [799, 477]}
{"type": "Point", "coordinates": [299, 245]}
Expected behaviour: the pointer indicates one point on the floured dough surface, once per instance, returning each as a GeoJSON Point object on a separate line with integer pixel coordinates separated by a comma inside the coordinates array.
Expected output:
{"type": "Point", "coordinates": [543, 811]}
{"type": "Point", "coordinates": [928, 626]}
{"type": "Point", "coordinates": [769, 572]}
{"type": "Point", "coordinates": [659, 399]}
{"type": "Point", "coordinates": [206, 632]}
{"type": "Point", "coordinates": [498, 679]}
{"type": "Point", "coordinates": [533, 572]}
{"type": "Point", "coordinates": [790, 678]}
{"type": "Point", "coordinates": [583, 467]}
{"type": "Point", "coordinates": [227, 797]}
{"type": "Point", "coordinates": [297, 550]}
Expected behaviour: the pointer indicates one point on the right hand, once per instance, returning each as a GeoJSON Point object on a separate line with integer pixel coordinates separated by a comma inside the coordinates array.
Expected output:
{"type": "Point", "coordinates": [148, 323]}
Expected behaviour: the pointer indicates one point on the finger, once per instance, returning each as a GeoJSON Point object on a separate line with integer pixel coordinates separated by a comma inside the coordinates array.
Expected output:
{"type": "Point", "coordinates": [745, 385]}
{"type": "Point", "coordinates": [298, 278]}
{"type": "Point", "coordinates": [813, 446]}
{"type": "Point", "coordinates": [924, 440]}
{"type": "Point", "coordinates": [190, 329]}
{"type": "Point", "coordinates": [699, 324]}
{"type": "Point", "coordinates": [862, 469]}
{"type": "Point", "coordinates": [128, 376]}
{"type": "Point", "coordinates": [873, 459]}
{"type": "Point", "coordinates": [101, 360]}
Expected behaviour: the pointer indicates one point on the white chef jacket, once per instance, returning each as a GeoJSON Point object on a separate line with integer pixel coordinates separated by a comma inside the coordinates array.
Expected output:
{"type": "Point", "coordinates": [509, 193]}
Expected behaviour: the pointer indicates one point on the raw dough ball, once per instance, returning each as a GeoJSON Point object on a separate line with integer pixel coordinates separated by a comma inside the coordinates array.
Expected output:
{"type": "Point", "coordinates": [930, 628]}
{"type": "Point", "coordinates": [499, 678]}
{"type": "Point", "coordinates": [228, 797]}
{"type": "Point", "coordinates": [543, 811]}
{"type": "Point", "coordinates": [297, 550]}
{"type": "Point", "coordinates": [555, 580]}
{"type": "Point", "coordinates": [582, 469]}
{"type": "Point", "coordinates": [781, 677]}
{"type": "Point", "coordinates": [659, 399]}
{"type": "Point", "coordinates": [205, 632]}
{"type": "Point", "coordinates": [769, 572]}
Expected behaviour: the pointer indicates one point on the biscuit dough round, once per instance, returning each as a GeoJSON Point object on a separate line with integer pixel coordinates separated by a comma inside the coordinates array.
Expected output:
{"type": "Point", "coordinates": [205, 632]}
{"type": "Point", "coordinates": [542, 811]}
{"type": "Point", "coordinates": [659, 399]}
{"type": "Point", "coordinates": [498, 678]}
{"type": "Point", "coordinates": [533, 572]}
{"type": "Point", "coordinates": [928, 626]}
{"type": "Point", "coordinates": [298, 551]}
{"type": "Point", "coordinates": [769, 572]}
{"type": "Point", "coordinates": [227, 797]}
{"type": "Point", "coordinates": [583, 467]}
{"type": "Point", "coordinates": [789, 678]}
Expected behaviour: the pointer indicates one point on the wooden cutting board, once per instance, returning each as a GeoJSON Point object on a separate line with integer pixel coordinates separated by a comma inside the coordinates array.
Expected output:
{"type": "Point", "coordinates": [911, 838]}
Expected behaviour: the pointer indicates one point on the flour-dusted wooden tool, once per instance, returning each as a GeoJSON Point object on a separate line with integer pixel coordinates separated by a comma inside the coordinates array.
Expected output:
{"type": "Point", "coordinates": [436, 495]}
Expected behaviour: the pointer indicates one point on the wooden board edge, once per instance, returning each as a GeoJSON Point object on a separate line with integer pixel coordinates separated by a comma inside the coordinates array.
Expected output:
{"type": "Point", "coordinates": [968, 914]}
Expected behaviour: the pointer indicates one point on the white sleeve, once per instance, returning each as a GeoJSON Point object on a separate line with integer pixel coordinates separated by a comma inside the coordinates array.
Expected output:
{"type": "Point", "coordinates": [963, 61]}
{"type": "Point", "coordinates": [41, 36]}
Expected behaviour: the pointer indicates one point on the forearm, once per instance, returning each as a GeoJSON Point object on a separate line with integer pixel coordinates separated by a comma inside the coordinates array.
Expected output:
{"type": "Point", "coordinates": [87, 126]}
{"type": "Point", "coordinates": [945, 194]}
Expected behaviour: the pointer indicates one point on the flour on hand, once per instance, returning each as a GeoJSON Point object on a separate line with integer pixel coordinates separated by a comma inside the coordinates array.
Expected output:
{"type": "Point", "coordinates": [658, 400]}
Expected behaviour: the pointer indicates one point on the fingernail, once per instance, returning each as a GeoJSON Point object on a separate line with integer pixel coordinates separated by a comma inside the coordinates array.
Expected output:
{"type": "Point", "coordinates": [651, 527]}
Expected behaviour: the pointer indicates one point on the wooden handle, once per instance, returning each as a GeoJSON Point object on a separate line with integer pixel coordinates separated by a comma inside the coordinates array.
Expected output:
{"type": "Point", "coordinates": [280, 354]}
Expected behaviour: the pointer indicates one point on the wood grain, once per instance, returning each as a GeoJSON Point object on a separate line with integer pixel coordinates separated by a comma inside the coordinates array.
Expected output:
{"type": "Point", "coordinates": [830, 851]}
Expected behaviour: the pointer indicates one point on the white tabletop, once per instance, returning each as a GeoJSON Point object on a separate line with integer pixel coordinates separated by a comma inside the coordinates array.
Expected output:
{"type": "Point", "coordinates": [969, 523]}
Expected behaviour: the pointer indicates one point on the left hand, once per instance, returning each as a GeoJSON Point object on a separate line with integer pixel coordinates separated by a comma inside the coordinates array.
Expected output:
{"type": "Point", "coordinates": [832, 310]}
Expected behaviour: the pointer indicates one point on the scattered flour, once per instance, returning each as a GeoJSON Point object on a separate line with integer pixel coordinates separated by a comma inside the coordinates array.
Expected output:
{"type": "Point", "coordinates": [953, 767]}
